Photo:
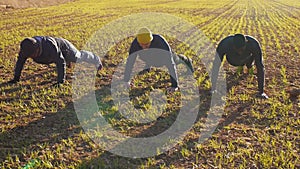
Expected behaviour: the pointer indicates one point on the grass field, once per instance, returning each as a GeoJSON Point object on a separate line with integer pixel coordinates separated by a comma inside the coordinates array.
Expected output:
{"type": "Point", "coordinates": [39, 126]}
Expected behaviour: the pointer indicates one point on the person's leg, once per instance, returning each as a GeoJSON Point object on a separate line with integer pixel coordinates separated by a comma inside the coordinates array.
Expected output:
{"type": "Point", "coordinates": [176, 59]}
{"type": "Point", "coordinates": [89, 57]}
{"type": "Point", "coordinates": [71, 54]}
{"type": "Point", "coordinates": [180, 58]}
{"type": "Point", "coordinates": [69, 51]}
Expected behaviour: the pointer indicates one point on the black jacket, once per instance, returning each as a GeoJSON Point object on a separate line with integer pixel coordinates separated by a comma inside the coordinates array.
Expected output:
{"type": "Point", "coordinates": [252, 53]}
{"type": "Point", "coordinates": [158, 58]}
{"type": "Point", "coordinates": [52, 50]}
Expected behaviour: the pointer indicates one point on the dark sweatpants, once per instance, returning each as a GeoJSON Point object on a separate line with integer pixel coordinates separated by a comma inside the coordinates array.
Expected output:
{"type": "Point", "coordinates": [180, 58]}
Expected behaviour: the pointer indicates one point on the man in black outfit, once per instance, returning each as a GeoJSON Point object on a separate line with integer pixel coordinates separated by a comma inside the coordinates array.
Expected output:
{"type": "Point", "coordinates": [240, 50]}
{"type": "Point", "coordinates": [47, 50]}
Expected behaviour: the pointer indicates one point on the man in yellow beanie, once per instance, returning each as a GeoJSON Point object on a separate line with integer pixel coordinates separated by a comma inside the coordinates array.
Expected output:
{"type": "Point", "coordinates": [162, 57]}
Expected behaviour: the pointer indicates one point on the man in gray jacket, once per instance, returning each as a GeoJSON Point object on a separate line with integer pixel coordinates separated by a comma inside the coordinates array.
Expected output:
{"type": "Point", "coordinates": [47, 50]}
{"type": "Point", "coordinates": [240, 50]}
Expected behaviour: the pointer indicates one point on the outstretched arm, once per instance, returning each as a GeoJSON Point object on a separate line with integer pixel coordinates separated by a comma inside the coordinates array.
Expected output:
{"type": "Point", "coordinates": [221, 50]}
{"type": "Point", "coordinates": [173, 74]}
{"type": "Point", "coordinates": [260, 67]}
{"type": "Point", "coordinates": [129, 66]}
{"type": "Point", "coordinates": [215, 70]}
{"type": "Point", "coordinates": [18, 69]}
{"type": "Point", "coordinates": [130, 60]}
{"type": "Point", "coordinates": [61, 69]}
{"type": "Point", "coordinates": [164, 45]}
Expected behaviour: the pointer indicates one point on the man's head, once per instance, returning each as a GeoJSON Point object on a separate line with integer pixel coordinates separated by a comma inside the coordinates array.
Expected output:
{"type": "Point", "coordinates": [239, 43]}
{"type": "Point", "coordinates": [144, 37]}
{"type": "Point", "coordinates": [29, 47]}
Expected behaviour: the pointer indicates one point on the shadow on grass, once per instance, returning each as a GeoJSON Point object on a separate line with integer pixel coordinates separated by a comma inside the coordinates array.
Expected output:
{"type": "Point", "coordinates": [157, 127]}
{"type": "Point", "coordinates": [109, 160]}
{"type": "Point", "coordinates": [46, 133]}
{"type": "Point", "coordinates": [54, 127]}
{"type": "Point", "coordinates": [48, 130]}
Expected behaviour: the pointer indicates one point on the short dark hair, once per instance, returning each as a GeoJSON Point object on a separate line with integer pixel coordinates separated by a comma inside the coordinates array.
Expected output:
{"type": "Point", "coordinates": [239, 40]}
{"type": "Point", "coordinates": [28, 46]}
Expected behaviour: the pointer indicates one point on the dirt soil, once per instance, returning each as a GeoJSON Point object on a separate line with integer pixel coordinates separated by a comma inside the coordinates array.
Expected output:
{"type": "Point", "coordinates": [30, 3]}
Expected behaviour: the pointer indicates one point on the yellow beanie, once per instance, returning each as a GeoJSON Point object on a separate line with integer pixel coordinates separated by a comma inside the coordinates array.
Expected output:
{"type": "Point", "coordinates": [144, 36]}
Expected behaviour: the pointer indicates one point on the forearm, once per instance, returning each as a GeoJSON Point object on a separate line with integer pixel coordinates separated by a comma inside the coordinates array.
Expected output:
{"type": "Point", "coordinates": [215, 71]}
{"type": "Point", "coordinates": [260, 78]}
{"type": "Point", "coordinates": [19, 67]}
{"type": "Point", "coordinates": [173, 75]}
{"type": "Point", "coordinates": [61, 71]}
{"type": "Point", "coordinates": [127, 73]}
{"type": "Point", "coordinates": [129, 66]}
{"type": "Point", "coordinates": [174, 81]}
{"type": "Point", "coordinates": [257, 53]}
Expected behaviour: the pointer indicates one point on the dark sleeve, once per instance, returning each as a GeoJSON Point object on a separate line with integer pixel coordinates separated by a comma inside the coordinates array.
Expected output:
{"type": "Point", "coordinates": [259, 66]}
{"type": "Point", "coordinates": [61, 68]}
{"type": "Point", "coordinates": [173, 74]}
{"type": "Point", "coordinates": [219, 56]}
{"type": "Point", "coordinates": [54, 51]}
{"type": "Point", "coordinates": [130, 60]}
{"type": "Point", "coordinates": [19, 66]}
